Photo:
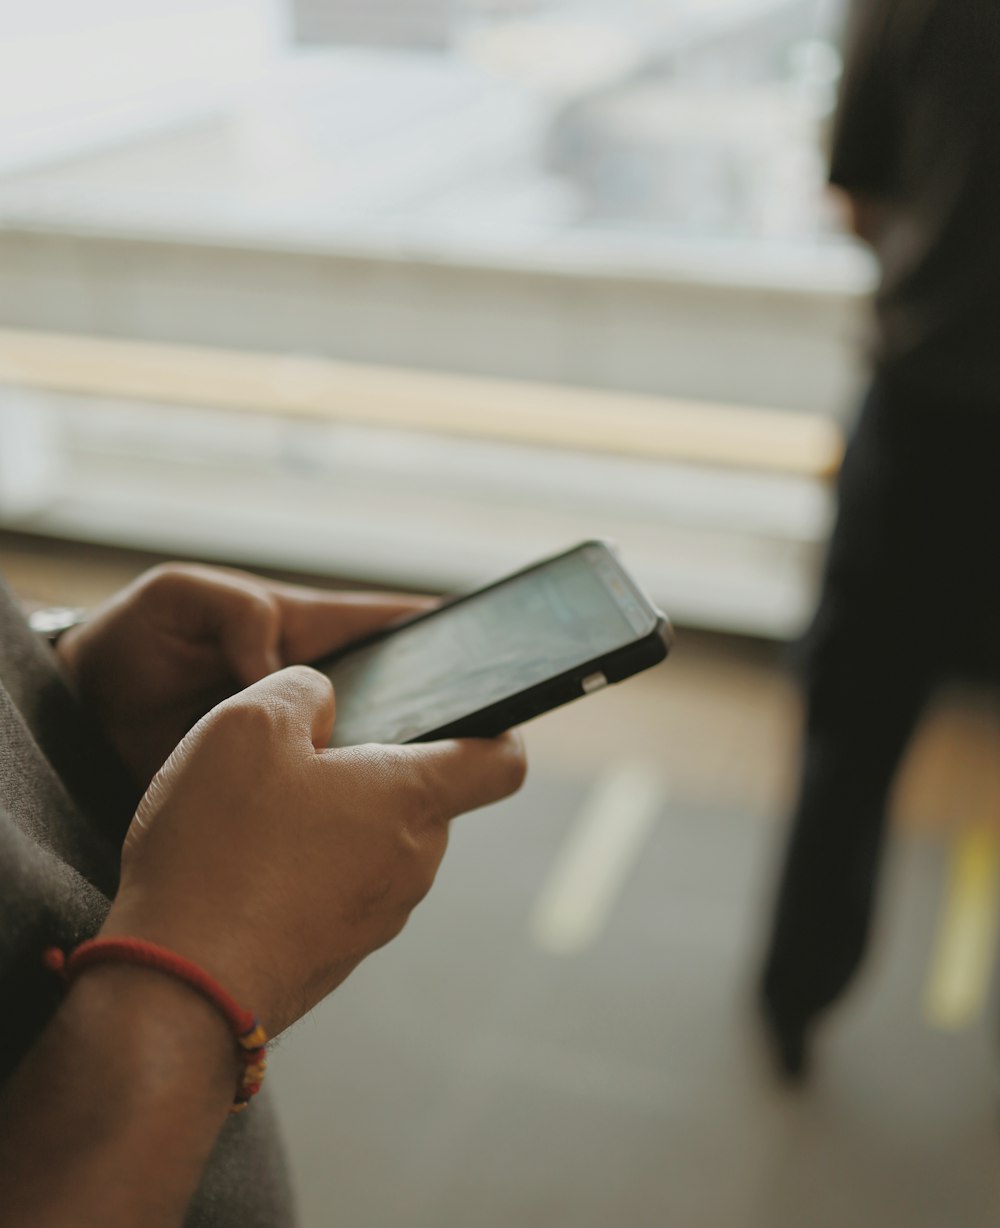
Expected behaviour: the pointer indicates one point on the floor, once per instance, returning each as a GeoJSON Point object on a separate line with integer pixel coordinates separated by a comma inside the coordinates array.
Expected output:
{"type": "Point", "coordinates": [562, 1036]}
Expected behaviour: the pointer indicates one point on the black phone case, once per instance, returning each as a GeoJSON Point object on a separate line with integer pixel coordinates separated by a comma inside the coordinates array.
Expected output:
{"type": "Point", "coordinates": [554, 692]}
{"type": "Point", "coordinates": [496, 718]}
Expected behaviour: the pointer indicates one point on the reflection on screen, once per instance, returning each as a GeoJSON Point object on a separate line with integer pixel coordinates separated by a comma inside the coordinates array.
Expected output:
{"type": "Point", "coordinates": [476, 653]}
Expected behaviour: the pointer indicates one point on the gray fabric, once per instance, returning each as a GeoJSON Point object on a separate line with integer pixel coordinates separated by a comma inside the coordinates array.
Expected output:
{"type": "Point", "coordinates": [917, 130]}
{"type": "Point", "coordinates": [65, 801]}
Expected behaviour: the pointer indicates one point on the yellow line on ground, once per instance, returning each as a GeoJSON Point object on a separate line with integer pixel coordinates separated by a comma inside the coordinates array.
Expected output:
{"type": "Point", "coordinates": [962, 963]}
{"type": "Point", "coordinates": [597, 857]}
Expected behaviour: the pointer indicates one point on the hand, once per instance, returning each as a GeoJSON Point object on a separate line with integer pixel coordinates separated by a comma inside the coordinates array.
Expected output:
{"type": "Point", "coordinates": [862, 214]}
{"type": "Point", "coordinates": [278, 864]}
{"type": "Point", "coordinates": [157, 656]}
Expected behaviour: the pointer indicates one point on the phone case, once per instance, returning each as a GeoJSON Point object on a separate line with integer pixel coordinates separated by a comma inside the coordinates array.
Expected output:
{"type": "Point", "coordinates": [615, 666]}
{"type": "Point", "coordinates": [554, 692]}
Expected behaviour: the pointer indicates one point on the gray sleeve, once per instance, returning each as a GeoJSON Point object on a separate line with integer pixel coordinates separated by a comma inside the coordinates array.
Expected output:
{"type": "Point", "coordinates": [43, 902]}
{"type": "Point", "coordinates": [63, 729]}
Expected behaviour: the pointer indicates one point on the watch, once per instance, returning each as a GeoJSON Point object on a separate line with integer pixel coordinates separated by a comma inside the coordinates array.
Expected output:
{"type": "Point", "coordinates": [53, 621]}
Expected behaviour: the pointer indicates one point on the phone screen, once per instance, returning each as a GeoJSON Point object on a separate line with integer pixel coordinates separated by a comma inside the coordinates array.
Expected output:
{"type": "Point", "coordinates": [484, 649]}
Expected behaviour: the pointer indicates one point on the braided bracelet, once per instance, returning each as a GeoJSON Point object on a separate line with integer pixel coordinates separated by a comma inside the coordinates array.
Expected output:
{"type": "Point", "coordinates": [250, 1036]}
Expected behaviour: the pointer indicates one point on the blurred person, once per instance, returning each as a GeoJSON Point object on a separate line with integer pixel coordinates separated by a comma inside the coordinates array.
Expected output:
{"type": "Point", "coordinates": [911, 590]}
{"type": "Point", "coordinates": [256, 855]}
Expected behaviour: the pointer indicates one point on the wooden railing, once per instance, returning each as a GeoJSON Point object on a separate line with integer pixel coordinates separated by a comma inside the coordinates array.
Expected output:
{"type": "Point", "coordinates": [619, 423]}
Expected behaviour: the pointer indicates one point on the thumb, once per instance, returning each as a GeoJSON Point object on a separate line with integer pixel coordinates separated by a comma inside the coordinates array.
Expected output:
{"type": "Point", "coordinates": [298, 699]}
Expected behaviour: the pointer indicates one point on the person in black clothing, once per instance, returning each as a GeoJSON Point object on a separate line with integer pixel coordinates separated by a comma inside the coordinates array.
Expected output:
{"type": "Point", "coordinates": [911, 591]}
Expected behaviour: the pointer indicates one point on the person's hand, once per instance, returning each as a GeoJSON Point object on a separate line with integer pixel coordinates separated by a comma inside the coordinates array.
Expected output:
{"type": "Point", "coordinates": [277, 864]}
{"type": "Point", "coordinates": [157, 656]}
{"type": "Point", "coordinates": [861, 213]}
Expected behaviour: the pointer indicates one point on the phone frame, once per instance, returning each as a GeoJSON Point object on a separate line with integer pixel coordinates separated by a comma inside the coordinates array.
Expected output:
{"type": "Point", "coordinates": [647, 649]}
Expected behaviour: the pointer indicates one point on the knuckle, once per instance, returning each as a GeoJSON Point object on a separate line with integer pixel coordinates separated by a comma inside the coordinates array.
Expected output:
{"type": "Point", "coordinates": [417, 853]}
{"type": "Point", "coordinates": [166, 576]}
{"type": "Point", "coordinates": [258, 604]}
{"type": "Point", "coordinates": [409, 784]}
{"type": "Point", "coordinates": [424, 800]}
{"type": "Point", "coordinates": [296, 685]}
{"type": "Point", "coordinates": [246, 719]}
{"type": "Point", "coordinates": [305, 675]}
{"type": "Point", "coordinates": [409, 843]}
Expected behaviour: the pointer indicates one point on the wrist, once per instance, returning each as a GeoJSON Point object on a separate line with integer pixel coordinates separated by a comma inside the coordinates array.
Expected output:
{"type": "Point", "coordinates": [163, 1038]}
{"type": "Point", "coordinates": [113, 1115]}
{"type": "Point", "coordinates": [234, 965]}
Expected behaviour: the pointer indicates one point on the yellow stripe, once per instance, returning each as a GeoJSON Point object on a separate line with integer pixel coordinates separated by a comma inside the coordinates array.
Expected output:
{"type": "Point", "coordinates": [514, 411]}
{"type": "Point", "coordinates": [962, 963]}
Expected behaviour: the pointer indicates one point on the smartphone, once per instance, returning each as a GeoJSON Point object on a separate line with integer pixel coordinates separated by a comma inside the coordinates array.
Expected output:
{"type": "Point", "coordinates": [483, 662]}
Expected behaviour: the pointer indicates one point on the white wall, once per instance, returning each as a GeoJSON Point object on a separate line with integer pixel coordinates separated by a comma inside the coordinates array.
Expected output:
{"type": "Point", "coordinates": [81, 74]}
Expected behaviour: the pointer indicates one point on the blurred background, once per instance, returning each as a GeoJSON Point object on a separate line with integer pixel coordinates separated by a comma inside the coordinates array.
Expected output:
{"type": "Point", "coordinates": [408, 293]}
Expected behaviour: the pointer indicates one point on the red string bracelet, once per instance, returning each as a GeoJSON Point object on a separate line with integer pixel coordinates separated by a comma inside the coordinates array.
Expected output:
{"type": "Point", "coordinates": [250, 1036]}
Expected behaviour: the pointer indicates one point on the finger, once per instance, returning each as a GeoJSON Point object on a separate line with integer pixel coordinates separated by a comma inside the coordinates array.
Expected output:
{"type": "Point", "coordinates": [234, 610]}
{"type": "Point", "coordinates": [316, 623]}
{"type": "Point", "coordinates": [249, 634]}
{"type": "Point", "coordinates": [298, 700]}
{"type": "Point", "coordinates": [466, 773]}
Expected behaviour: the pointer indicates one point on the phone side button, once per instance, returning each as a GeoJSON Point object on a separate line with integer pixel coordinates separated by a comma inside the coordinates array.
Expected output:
{"type": "Point", "coordinates": [593, 682]}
